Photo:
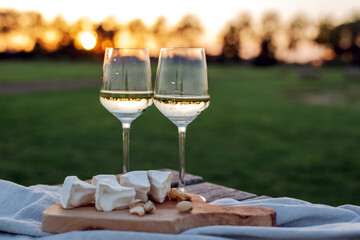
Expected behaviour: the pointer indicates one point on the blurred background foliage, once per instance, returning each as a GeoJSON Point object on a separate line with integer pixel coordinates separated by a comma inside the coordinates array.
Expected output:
{"type": "Point", "coordinates": [28, 35]}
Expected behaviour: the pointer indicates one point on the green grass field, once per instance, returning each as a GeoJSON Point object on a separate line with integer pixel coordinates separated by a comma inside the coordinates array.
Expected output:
{"type": "Point", "coordinates": [259, 134]}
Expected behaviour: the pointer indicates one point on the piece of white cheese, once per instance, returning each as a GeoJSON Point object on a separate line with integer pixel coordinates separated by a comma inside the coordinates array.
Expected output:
{"type": "Point", "coordinates": [160, 185]}
{"type": "Point", "coordinates": [110, 195]}
{"type": "Point", "coordinates": [139, 181]}
{"type": "Point", "coordinates": [97, 178]}
{"type": "Point", "coordinates": [76, 193]}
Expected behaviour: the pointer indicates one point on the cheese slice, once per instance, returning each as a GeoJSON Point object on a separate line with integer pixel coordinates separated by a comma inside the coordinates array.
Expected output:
{"type": "Point", "coordinates": [139, 181]}
{"type": "Point", "coordinates": [110, 195]}
{"type": "Point", "coordinates": [97, 178]}
{"type": "Point", "coordinates": [160, 185]}
{"type": "Point", "coordinates": [76, 193]}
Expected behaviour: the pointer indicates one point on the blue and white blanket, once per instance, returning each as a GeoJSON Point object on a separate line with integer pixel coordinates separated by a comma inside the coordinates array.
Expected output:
{"type": "Point", "coordinates": [21, 208]}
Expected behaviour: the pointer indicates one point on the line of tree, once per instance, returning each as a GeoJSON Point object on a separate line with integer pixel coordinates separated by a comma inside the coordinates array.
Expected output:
{"type": "Point", "coordinates": [341, 43]}
{"type": "Point", "coordinates": [27, 34]}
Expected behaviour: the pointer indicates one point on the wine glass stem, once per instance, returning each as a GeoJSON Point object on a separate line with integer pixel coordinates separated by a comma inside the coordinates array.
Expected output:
{"type": "Point", "coordinates": [126, 144]}
{"type": "Point", "coordinates": [182, 134]}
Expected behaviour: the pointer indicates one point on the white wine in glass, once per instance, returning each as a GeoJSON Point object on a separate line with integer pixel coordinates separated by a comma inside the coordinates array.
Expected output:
{"type": "Point", "coordinates": [126, 89]}
{"type": "Point", "coordinates": [181, 92]}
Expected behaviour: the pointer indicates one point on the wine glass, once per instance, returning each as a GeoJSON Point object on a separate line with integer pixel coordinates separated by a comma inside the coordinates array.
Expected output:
{"type": "Point", "coordinates": [181, 92]}
{"type": "Point", "coordinates": [126, 89]}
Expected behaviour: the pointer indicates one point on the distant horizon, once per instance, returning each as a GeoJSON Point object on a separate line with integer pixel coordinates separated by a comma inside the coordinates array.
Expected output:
{"type": "Point", "coordinates": [213, 15]}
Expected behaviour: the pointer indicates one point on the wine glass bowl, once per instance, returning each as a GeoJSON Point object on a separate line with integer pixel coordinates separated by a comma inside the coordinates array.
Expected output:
{"type": "Point", "coordinates": [182, 70]}
{"type": "Point", "coordinates": [181, 92]}
{"type": "Point", "coordinates": [126, 89]}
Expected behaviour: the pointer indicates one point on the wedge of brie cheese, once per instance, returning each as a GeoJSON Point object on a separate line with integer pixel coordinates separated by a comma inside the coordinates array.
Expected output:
{"type": "Point", "coordinates": [110, 195]}
{"type": "Point", "coordinates": [160, 185]}
{"type": "Point", "coordinates": [139, 181]}
{"type": "Point", "coordinates": [76, 193]}
{"type": "Point", "coordinates": [97, 178]}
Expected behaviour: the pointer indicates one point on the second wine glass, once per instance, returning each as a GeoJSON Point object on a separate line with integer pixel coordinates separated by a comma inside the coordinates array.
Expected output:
{"type": "Point", "coordinates": [181, 92]}
{"type": "Point", "coordinates": [126, 89]}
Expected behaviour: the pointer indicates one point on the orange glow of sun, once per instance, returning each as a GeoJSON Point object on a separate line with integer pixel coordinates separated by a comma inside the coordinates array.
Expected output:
{"type": "Point", "coordinates": [87, 40]}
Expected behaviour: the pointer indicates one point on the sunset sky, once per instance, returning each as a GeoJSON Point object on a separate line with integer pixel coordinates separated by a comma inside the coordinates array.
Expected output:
{"type": "Point", "coordinates": [213, 14]}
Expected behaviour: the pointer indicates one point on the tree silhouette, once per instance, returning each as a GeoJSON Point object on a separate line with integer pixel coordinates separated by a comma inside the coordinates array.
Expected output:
{"type": "Point", "coordinates": [8, 21]}
{"type": "Point", "coordinates": [160, 31]}
{"type": "Point", "coordinates": [138, 31]}
{"type": "Point", "coordinates": [346, 41]}
{"type": "Point", "coordinates": [232, 38]}
{"type": "Point", "coordinates": [106, 31]}
{"type": "Point", "coordinates": [296, 31]}
{"type": "Point", "coordinates": [187, 32]}
{"type": "Point", "coordinates": [324, 30]}
{"type": "Point", "coordinates": [54, 36]}
{"type": "Point", "coordinates": [270, 24]}
{"type": "Point", "coordinates": [231, 43]}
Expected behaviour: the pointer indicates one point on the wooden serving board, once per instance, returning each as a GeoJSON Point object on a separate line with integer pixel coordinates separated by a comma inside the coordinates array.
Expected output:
{"type": "Point", "coordinates": [165, 219]}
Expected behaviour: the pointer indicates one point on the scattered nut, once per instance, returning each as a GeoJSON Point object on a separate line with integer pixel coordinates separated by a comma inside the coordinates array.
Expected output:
{"type": "Point", "coordinates": [181, 197]}
{"type": "Point", "coordinates": [188, 197]}
{"type": "Point", "coordinates": [136, 202]}
{"type": "Point", "coordinates": [173, 194]}
{"type": "Point", "coordinates": [149, 207]}
{"type": "Point", "coordinates": [184, 206]}
{"type": "Point", "coordinates": [137, 210]}
{"type": "Point", "coordinates": [184, 197]}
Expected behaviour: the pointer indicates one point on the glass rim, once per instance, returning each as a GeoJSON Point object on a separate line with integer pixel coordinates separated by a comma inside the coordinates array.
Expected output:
{"type": "Point", "coordinates": [181, 48]}
{"type": "Point", "coordinates": [126, 48]}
